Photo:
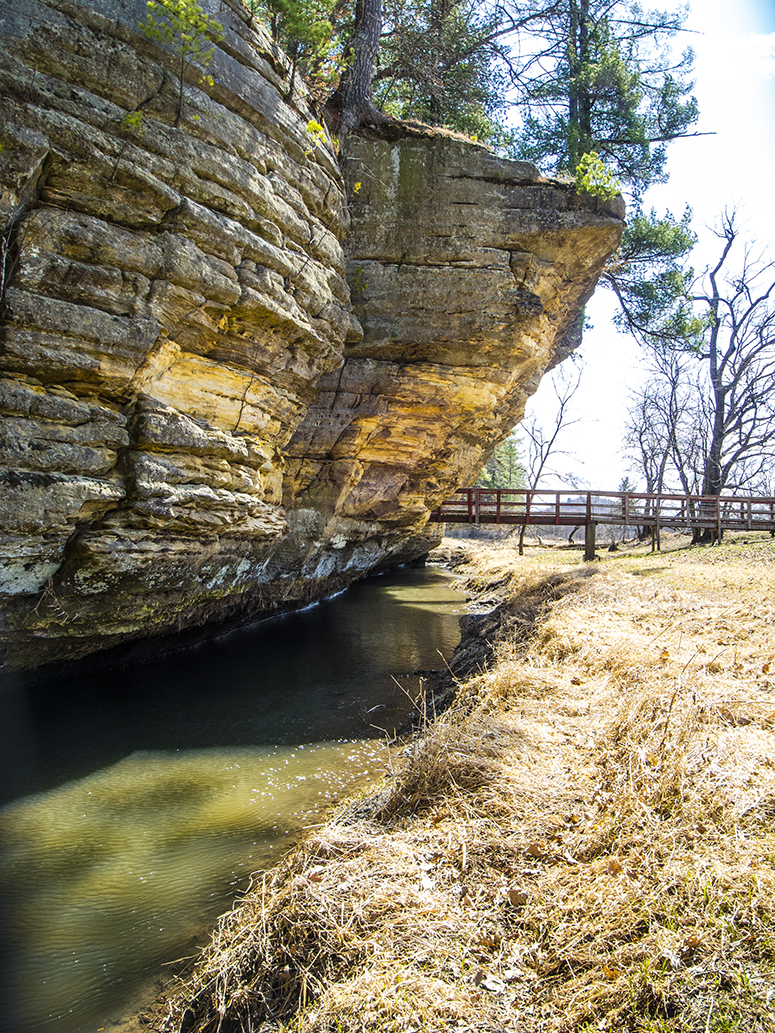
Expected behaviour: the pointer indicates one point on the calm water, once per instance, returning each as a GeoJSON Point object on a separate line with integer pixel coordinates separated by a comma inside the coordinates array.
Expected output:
{"type": "Point", "coordinates": [140, 801]}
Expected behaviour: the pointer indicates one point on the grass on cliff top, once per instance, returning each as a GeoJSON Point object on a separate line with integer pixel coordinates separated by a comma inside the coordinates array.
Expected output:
{"type": "Point", "coordinates": [583, 841]}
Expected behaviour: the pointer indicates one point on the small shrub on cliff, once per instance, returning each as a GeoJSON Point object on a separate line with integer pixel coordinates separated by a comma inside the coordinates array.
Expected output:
{"type": "Point", "coordinates": [318, 134]}
{"type": "Point", "coordinates": [592, 177]}
{"type": "Point", "coordinates": [183, 25]}
{"type": "Point", "coordinates": [133, 122]}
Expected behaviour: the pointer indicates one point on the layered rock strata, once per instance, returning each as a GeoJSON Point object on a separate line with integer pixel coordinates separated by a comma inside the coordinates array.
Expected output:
{"type": "Point", "coordinates": [468, 275]}
{"type": "Point", "coordinates": [207, 409]}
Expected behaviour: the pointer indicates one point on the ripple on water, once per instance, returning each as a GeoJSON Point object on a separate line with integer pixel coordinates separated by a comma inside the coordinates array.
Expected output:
{"type": "Point", "coordinates": [107, 875]}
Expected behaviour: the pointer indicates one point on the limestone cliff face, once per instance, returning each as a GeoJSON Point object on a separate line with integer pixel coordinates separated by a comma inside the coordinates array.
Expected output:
{"type": "Point", "coordinates": [199, 417]}
{"type": "Point", "coordinates": [468, 275]}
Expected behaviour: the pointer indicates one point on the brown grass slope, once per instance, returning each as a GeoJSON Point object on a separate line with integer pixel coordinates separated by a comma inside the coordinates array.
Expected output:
{"type": "Point", "coordinates": [583, 841]}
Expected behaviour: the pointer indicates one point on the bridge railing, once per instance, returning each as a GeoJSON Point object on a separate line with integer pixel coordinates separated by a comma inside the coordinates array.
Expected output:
{"type": "Point", "coordinates": [521, 506]}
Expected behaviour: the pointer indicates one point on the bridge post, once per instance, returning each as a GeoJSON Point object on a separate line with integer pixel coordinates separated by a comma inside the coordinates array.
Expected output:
{"type": "Point", "coordinates": [589, 542]}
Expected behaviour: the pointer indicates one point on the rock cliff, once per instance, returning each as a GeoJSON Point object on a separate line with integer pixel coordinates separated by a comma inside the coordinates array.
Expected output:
{"type": "Point", "coordinates": [237, 370]}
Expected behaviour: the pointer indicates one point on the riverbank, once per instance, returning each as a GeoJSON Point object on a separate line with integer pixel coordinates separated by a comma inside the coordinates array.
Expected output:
{"type": "Point", "coordinates": [582, 840]}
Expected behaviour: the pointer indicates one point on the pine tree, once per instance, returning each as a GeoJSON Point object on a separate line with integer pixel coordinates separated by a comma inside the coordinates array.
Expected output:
{"type": "Point", "coordinates": [184, 26]}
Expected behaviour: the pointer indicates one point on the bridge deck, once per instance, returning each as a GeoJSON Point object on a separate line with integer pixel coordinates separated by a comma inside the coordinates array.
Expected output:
{"type": "Point", "coordinates": [513, 506]}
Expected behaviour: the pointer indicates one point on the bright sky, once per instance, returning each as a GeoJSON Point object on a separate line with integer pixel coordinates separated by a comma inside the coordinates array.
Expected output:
{"type": "Point", "coordinates": [735, 88]}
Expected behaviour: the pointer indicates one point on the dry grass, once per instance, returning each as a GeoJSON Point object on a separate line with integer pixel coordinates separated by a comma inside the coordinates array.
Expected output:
{"type": "Point", "coordinates": [583, 841]}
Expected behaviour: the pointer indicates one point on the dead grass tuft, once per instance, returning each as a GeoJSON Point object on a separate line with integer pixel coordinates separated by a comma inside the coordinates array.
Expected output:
{"type": "Point", "coordinates": [455, 760]}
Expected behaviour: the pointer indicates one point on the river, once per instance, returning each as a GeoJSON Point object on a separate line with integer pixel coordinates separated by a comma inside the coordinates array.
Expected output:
{"type": "Point", "coordinates": [138, 802]}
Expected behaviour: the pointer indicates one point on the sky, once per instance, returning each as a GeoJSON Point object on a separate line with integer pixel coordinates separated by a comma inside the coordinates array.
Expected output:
{"type": "Point", "coordinates": [734, 45]}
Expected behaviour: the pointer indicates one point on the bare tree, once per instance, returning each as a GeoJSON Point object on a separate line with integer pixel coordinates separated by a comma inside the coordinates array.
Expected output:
{"type": "Point", "coordinates": [704, 422]}
{"type": "Point", "coordinates": [666, 432]}
{"type": "Point", "coordinates": [740, 362]}
{"type": "Point", "coordinates": [540, 442]}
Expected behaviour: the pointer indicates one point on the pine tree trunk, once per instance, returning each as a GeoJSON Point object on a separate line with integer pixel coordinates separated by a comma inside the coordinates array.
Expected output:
{"type": "Point", "coordinates": [352, 103]}
{"type": "Point", "coordinates": [573, 88]}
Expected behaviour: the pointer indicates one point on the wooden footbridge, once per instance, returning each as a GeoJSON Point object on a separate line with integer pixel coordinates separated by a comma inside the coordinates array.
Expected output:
{"type": "Point", "coordinates": [714, 513]}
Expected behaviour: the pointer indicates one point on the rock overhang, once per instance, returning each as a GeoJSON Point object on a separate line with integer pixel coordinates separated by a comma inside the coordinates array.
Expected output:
{"type": "Point", "coordinates": [245, 368]}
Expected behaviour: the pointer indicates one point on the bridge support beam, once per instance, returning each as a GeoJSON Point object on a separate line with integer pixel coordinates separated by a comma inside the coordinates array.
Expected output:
{"type": "Point", "coordinates": [589, 542]}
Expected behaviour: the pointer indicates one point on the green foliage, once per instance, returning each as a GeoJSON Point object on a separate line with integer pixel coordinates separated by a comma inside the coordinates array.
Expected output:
{"type": "Point", "coordinates": [184, 26]}
{"type": "Point", "coordinates": [316, 131]}
{"type": "Point", "coordinates": [601, 95]}
{"type": "Point", "coordinates": [133, 120]}
{"type": "Point", "coordinates": [598, 76]}
{"type": "Point", "coordinates": [359, 283]}
{"type": "Point", "coordinates": [651, 278]}
{"type": "Point", "coordinates": [306, 31]}
{"type": "Point", "coordinates": [592, 177]}
{"type": "Point", "coordinates": [437, 65]}
{"type": "Point", "coordinates": [621, 109]}
{"type": "Point", "coordinates": [582, 75]}
{"type": "Point", "coordinates": [318, 134]}
{"type": "Point", "coordinates": [504, 468]}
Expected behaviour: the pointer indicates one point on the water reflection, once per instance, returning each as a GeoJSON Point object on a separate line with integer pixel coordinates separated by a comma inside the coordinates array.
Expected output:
{"type": "Point", "coordinates": [183, 776]}
{"type": "Point", "coordinates": [311, 676]}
